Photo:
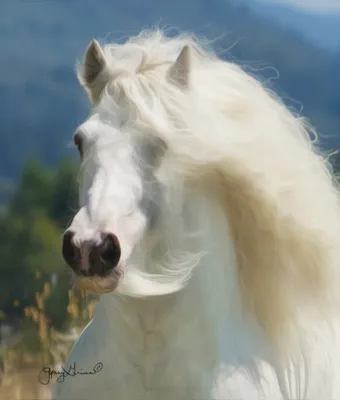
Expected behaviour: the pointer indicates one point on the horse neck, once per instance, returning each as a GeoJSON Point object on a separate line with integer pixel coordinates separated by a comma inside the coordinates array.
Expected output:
{"type": "Point", "coordinates": [187, 324]}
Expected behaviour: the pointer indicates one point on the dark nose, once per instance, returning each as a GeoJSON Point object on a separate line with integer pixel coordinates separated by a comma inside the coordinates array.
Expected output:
{"type": "Point", "coordinates": [70, 252]}
{"type": "Point", "coordinates": [92, 259]}
{"type": "Point", "coordinates": [106, 256]}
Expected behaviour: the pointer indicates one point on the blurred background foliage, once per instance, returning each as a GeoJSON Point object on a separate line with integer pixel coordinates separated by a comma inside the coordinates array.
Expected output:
{"type": "Point", "coordinates": [30, 237]}
{"type": "Point", "coordinates": [42, 313]}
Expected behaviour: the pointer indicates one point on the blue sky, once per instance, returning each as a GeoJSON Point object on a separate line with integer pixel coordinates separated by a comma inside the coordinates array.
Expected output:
{"type": "Point", "coordinates": [311, 5]}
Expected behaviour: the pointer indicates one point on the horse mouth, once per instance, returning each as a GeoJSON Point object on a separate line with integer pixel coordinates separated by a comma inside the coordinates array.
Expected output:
{"type": "Point", "coordinates": [99, 284]}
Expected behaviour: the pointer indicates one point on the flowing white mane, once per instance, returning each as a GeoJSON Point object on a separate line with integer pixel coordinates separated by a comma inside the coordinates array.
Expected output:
{"type": "Point", "coordinates": [278, 194]}
{"type": "Point", "coordinates": [247, 238]}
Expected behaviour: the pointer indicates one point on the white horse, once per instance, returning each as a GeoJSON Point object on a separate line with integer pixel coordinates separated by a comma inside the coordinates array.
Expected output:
{"type": "Point", "coordinates": [210, 226]}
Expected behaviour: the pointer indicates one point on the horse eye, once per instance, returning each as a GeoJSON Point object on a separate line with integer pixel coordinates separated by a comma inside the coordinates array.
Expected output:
{"type": "Point", "coordinates": [78, 141]}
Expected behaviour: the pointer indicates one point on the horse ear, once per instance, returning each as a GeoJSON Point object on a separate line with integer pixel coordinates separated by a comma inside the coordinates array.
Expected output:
{"type": "Point", "coordinates": [93, 67]}
{"type": "Point", "coordinates": [93, 64]}
{"type": "Point", "coordinates": [180, 69]}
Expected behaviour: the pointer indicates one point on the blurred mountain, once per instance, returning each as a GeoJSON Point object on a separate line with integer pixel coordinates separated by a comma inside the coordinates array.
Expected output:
{"type": "Point", "coordinates": [40, 100]}
{"type": "Point", "coordinates": [323, 29]}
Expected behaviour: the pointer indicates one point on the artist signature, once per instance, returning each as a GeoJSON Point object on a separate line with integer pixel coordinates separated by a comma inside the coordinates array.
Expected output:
{"type": "Point", "coordinates": [46, 374]}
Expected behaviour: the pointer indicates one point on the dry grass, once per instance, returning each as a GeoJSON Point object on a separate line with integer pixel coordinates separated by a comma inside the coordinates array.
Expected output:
{"type": "Point", "coordinates": [24, 385]}
{"type": "Point", "coordinates": [19, 380]}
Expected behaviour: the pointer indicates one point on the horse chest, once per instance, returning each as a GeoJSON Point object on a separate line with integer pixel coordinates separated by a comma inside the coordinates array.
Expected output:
{"type": "Point", "coordinates": [147, 362]}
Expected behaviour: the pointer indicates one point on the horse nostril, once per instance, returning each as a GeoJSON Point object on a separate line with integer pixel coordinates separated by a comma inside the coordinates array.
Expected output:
{"type": "Point", "coordinates": [109, 251]}
{"type": "Point", "coordinates": [69, 250]}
